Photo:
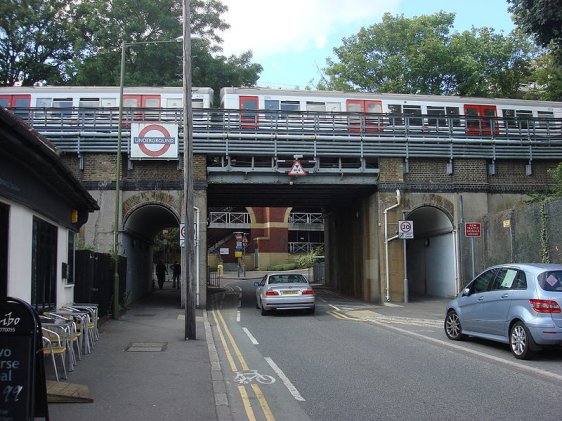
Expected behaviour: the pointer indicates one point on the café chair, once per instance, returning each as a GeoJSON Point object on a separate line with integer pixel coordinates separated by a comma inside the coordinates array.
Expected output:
{"type": "Point", "coordinates": [53, 345]}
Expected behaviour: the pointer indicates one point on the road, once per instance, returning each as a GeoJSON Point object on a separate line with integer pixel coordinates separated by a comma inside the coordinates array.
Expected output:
{"type": "Point", "coordinates": [351, 362]}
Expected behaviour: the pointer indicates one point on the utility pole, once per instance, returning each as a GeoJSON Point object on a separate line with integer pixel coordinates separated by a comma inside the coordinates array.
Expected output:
{"type": "Point", "coordinates": [190, 326]}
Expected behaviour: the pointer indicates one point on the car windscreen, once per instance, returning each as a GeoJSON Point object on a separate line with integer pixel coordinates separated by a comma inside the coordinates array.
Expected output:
{"type": "Point", "coordinates": [551, 280]}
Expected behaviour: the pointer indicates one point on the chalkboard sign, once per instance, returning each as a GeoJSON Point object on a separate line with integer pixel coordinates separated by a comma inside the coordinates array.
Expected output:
{"type": "Point", "coordinates": [22, 375]}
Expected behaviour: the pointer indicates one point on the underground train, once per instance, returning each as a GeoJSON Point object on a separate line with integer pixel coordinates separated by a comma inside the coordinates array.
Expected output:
{"type": "Point", "coordinates": [481, 115]}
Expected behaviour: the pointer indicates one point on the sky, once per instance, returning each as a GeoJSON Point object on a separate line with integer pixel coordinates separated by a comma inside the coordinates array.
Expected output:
{"type": "Point", "coordinates": [291, 39]}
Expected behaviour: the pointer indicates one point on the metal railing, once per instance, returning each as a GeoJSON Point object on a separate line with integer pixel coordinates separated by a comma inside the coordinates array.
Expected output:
{"type": "Point", "coordinates": [303, 247]}
{"type": "Point", "coordinates": [306, 218]}
{"type": "Point", "coordinates": [230, 133]}
{"type": "Point", "coordinates": [229, 218]}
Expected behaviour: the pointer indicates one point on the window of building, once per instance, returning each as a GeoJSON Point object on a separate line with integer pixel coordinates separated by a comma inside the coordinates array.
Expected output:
{"type": "Point", "coordinates": [70, 257]}
{"type": "Point", "coordinates": [43, 265]}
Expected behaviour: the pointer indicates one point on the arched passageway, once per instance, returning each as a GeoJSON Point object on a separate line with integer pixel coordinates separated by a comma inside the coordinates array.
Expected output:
{"type": "Point", "coordinates": [140, 227]}
{"type": "Point", "coordinates": [431, 255]}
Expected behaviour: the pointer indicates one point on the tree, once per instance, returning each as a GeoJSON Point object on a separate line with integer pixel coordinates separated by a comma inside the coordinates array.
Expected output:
{"type": "Point", "coordinates": [100, 31]}
{"type": "Point", "coordinates": [546, 78]}
{"type": "Point", "coordinates": [541, 18]}
{"type": "Point", "coordinates": [34, 41]}
{"type": "Point", "coordinates": [488, 64]}
{"type": "Point", "coordinates": [420, 56]}
{"type": "Point", "coordinates": [398, 55]}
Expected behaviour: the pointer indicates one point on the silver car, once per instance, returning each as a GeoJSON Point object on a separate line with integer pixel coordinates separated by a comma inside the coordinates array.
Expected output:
{"type": "Point", "coordinates": [284, 291]}
{"type": "Point", "coordinates": [517, 304]}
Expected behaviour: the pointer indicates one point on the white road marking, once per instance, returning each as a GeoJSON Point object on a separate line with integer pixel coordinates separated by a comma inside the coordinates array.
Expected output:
{"type": "Point", "coordinates": [292, 389]}
{"type": "Point", "coordinates": [521, 367]}
{"type": "Point", "coordinates": [238, 316]}
{"type": "Point", "coordinates": [252, 339]}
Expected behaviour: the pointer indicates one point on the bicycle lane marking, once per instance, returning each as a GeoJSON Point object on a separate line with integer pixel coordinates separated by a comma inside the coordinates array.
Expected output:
{"type": "Point", "coordinates": [244, 366]}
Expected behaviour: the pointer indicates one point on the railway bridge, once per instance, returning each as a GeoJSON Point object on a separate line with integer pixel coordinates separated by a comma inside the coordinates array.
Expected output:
{"type": "Point", "coordinates": [364, 178]}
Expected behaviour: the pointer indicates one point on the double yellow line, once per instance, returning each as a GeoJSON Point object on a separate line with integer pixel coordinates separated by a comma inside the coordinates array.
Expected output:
{"type": "Point", "coordinates": [221, 325]}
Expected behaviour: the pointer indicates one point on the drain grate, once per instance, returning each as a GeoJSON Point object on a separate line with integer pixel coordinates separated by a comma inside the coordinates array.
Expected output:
{"type": "Point", "coordinates": [146, 347]}
{"type": "Point", "coordinates": [144, 314]}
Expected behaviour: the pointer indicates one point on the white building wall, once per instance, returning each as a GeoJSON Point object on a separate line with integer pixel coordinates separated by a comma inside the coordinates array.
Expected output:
{"type": "Point", "coordinates": [20, 243]}
{"type": "Point", "coordinates": [19, 252]}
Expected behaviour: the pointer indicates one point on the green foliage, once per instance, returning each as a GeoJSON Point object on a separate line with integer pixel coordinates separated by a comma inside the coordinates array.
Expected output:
{"type": "Point", "coordinates": [155, 64]}
{"type": "Point", "coordinates": [282, 267]}
{"type": "Point", "coordinates": [79, 43]}
{"type": "Point", "coordinates": [35, 42]}
{"type": "Point", "coordinates": [541, 18]}
{"type": "Point", "coordinates": [546, 78]}
{"type": "Point", "coordinates": [310, 259]}
{"type": "Point", "coordinates": [420, 55]}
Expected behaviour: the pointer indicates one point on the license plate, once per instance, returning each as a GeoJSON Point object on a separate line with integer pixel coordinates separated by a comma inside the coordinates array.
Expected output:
{"type": "Point", "coordinates": [290, 292]}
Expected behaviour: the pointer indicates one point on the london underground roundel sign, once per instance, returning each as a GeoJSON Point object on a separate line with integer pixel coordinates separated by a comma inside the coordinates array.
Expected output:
{"type": "Point", "coordinates": [154, 141]}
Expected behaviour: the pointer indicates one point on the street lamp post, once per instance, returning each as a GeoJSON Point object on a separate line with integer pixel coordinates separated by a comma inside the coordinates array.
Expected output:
{"type": "Point", "coordinates": [117, 222]}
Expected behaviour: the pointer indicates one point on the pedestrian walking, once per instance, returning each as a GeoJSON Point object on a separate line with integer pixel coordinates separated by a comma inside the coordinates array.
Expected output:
{"type": "Point", "coordinates": [176, 274]}
{"type": "Point", "coordinates": [161, 273]}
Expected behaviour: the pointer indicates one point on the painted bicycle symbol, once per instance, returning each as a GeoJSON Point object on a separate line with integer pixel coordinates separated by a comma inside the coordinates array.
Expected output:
{"type": "Point", "coordinates": [246, 377]}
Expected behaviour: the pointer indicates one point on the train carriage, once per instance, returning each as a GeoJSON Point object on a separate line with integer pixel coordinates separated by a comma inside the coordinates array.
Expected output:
{"type": "Point", "coordinates": [371, 112]}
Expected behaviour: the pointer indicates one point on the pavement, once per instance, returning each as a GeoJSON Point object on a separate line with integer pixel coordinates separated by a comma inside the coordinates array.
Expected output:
{"type": "Point", "coordinates": [142, 368]}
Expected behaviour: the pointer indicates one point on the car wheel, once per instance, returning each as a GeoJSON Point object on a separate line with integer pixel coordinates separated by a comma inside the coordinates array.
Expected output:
{"type": "Point", "coordinates": [453, 328]}
{"type": "Point", "coordinates": [264, 312]}
{"type": "Point", "coordinates": [521, 342]}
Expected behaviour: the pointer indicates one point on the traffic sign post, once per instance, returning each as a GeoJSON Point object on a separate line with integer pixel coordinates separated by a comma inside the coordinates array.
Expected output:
{"type": "Point", "coordinates": [405, 230]}
{"type": "Point", "coordinates": [472, 230]}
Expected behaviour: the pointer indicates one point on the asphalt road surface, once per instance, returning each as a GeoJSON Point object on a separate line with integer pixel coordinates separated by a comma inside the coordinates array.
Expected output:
{"type": "Point", "coordinates": [346, 362]}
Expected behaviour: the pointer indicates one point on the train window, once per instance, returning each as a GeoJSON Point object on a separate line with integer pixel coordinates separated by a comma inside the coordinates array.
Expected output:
{"type": "Point", "coordinates": [44, 102]}
{"type": "Point", "coordinates": [315, 106]}
{"type": "Point", "coordinates": [272, 104]}
{"type": "Point", "coordinates": [413, 110]}
{"type": "Point", "coordinates": [89, 103]}
{"type": "Point", "coordinates": [436, 111]}
{"type": "Point", "coordinates": [177, 103]}
{"type": "Point", "coordinates": [509, 118]}
{"type": "Point", "coordinates": [196, 103]}
{"type": "Point", "coordinates": [544, 117]}
{"type": "Point", "coordinates": [65, 103]}
{"type": "Point", "coordinates": [152, 102]}
{"type": "Point", "coordinates": [131, 102]}
{"type": "Point", "coordinates": [394, 110]}
{"type": "Point", "coordinates": [454, 112]}
{"type": "Point", "coordinates": [524, 117]}
{"type": "Point", "coordinates": [4, 102]}
{"type": "Point", "coordinates": [290, 105]}
{"type": "Point", "coordinates": [373, 107]}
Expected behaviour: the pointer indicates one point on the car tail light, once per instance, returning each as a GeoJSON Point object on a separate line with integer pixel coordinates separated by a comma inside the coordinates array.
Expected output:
{"type": "Point", "coordinates": [307, 292]}
{"type": "Point", "coordinates": [271, 293]}
{"type": "Point", "coordinates": [545, 306]}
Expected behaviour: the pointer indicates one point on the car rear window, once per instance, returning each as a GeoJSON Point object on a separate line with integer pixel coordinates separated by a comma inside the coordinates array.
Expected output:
{"type": "Point", "coordinates": [287, 279]}
{"type": "Point", "coordinates": [551, 281]}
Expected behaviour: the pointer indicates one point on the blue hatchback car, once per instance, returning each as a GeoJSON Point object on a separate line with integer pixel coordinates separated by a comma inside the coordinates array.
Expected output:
{"type": "Point", "coordinates": [517, 304]}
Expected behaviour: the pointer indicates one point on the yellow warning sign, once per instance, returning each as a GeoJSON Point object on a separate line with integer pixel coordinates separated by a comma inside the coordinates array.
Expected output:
{"type": "Point", "coordinates": [297, 169]}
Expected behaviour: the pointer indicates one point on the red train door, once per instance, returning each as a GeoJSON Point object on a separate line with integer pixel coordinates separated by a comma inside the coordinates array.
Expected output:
{"type": "Point", "coordinates": [480, 119]}
{"type": "Point", "coordinates": [9, 101]}
{"type": "Point", "coordinates": [371, 123]}
{"type": "Point", "coordinates": [248, 115]}
{"type": "Point", "coordinates": [142, 101]}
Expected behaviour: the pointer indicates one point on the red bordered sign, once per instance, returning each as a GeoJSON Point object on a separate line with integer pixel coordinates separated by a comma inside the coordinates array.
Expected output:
{"type": "Point", "coordinates": [154, 141]}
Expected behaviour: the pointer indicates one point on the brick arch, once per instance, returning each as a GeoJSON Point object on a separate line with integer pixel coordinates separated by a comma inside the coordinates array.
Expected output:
{"type": "Point", "coordinates": [434, 201]}
{"type": "Point", "coordinates": [156, 197]}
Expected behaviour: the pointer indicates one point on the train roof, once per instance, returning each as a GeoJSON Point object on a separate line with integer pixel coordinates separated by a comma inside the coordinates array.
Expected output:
{"type": "Point", "coordinates": [384, 96]}
{"type": "Point", "coordinates": [102, 89]}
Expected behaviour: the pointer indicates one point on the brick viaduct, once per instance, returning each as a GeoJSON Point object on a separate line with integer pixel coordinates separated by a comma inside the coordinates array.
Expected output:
{"type": "Point", "coordinates": [363, 256]}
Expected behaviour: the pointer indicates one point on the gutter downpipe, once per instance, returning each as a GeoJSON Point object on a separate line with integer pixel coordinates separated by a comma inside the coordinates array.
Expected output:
{"type": "Point", "coordinates": [196, 238]}
{"type": "Point", "coordinates": [386, 241]}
